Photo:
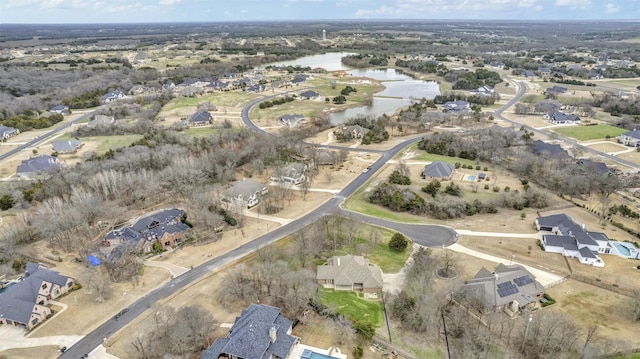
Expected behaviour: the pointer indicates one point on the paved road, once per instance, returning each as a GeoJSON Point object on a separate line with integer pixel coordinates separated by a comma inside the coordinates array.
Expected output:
{"type": "Point", "coordinates": [521, 92]}
{"type": "Point", "coordinates": [425, 234]}
{"type": "Point", "coordinates": [39, 139]}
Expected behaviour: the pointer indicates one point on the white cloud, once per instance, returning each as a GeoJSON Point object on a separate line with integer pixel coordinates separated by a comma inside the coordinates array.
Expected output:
{"type": "Point", "coordinates": [527, 3]}
{"type": "Point", "coordinates": [170, 2]}
{"type": "Point", "coordinates": [611, 8]}
{"type": "Point", "coordinates": [576, 4]}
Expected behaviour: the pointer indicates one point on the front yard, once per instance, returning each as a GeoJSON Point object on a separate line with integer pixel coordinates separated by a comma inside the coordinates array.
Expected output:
{"type": "Point", "coordinates": [585, 133]}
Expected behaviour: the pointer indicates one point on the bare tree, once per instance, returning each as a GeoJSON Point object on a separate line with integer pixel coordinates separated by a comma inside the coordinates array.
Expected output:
{"type": "Point", "coordinates": [98, 283]}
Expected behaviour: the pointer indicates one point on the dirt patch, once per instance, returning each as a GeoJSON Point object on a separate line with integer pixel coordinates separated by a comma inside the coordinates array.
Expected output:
{"type": "Point", "coordinates": [45, 352]}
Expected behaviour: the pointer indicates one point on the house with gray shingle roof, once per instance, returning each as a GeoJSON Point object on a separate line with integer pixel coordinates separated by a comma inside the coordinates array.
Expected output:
{"type": "Point", "coordinates": [260, 332]}
{"type": "Point", "coordinates": [308, 95]}
{"type": "Point", "coordinates": [290, 173]}
{"type": "Point", "coordinates": [61, 109]}
{"type": "Point", "coordinates": [66, 146]}
{"type": "Point", "coordinates": [572, 240]}
{"type": "Point", "coordinates": [352, 273]}
{"type": "Point", "coordinates": [6, 132]}
{"type": "Point", "coordinates": [245, 192]}
{"type": "Point", "coordinates": [559, 117]}
{"type": "Point", "coordinates": [24, 304]}
{"type": "Point", "coordinates": [291, 120]}
{"type": "Point", "coordinates": [165, 227]}
{"type": "Point", "coordinates": [631, 138]}
{"type": "Point", "coordinates": [498, 290]}
{"type": "Point", "coordinates": [438, 170]}
{"type": "Point", "coordinates": [37, 166]}
{"type": "Point", "coordinates": [200, 118]}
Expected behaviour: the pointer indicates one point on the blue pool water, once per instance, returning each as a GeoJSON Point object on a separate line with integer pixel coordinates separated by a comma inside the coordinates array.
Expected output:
{"type": "Point", "coordinates": [622, 249]}
{"type": "Point", "coordinates": [308, 354]}
{"type": "Point", "coordinates": [471, 178]}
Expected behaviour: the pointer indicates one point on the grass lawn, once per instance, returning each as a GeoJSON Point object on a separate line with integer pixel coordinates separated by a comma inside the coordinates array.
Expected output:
{"type": "Point", "coordinates": [106, 143]}
{"type": "Point", "coordinates": [353, 307]}
{"type": "Point", "coordinates": [584, 133]}
{"type": "Point", "coordinates": [358, 203]}
{"type": "Point", "coordinates": [379, 253]}
{"type": "Point", "coordinates": [228, 99]}
{"type": "Point", "coordinates": [424, 156]}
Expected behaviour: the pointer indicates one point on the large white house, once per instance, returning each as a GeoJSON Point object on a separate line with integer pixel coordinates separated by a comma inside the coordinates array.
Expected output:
{"type": "Point", "coordinates": [246, 192]}
{"type": "Point", "coordinates": [572, 240]}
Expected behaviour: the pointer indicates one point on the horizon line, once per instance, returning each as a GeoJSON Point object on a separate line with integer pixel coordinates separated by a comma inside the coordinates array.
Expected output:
{"type": "Point", "coordinates": [319, 20]}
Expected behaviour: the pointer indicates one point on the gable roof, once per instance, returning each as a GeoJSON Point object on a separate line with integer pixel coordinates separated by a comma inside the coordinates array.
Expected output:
{"type": "Point", "coordinates": [504, 285]}
{"type": "Point", "coordinates": [17, 302]}
{"type": "Point", "coordinates": [309, 94]}
{"type": "Point", "coordinates": [66, 146]}
{"type": "Point", "coordinates": [349, 269]}
{"type": "Point", "coordinates": [559, 116]}
{"type": "Point", "coordinates": [553, 150]}
{"type": "Point", "coordinates": [200, 116]}
{"type": "Point", "coordinates": [259, 332]}
{"type": "Point", "coordinates": [245, 187]}
{"type": "Point", "coordinates": [633, 134]}
{"type": "Point", "coordinates": [59, 108]}
{"type": "Point", "coordinates": [6, 131]}
{"type": "Point", "coordinates": [37, 164]}
{"type": "Point", "coordinates": [438, 169]}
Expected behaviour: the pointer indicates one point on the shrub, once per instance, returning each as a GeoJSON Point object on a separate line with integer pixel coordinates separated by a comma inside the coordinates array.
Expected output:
{"type": "Point", "coordinates": [432, 188]}
{"type": "Point", "coordinates": [365, 330]}
{"type": "Point", "coordinates": [18, 265]}
{"type": "Point", "coordinates": [6, 202]}
{"type": "Point", "coordinates": [398, 242]}
{"type": "Point", "coordinates": [549, 301]}
{"type": "Point", "coordinates": [453, 190]}
{"type": "Point", "coordinates": [485, 169]}
{"type": "Point", "coordinates": [496, 189]}
{"type": "Point", "coordinates": [486, 186]}
{"type": "Point", "coordinates": [396, 178]}
{"type": "Point", "coordinates": [478, 167]}
{"type": "Point", "coordinates": [358, 352]}
{"type": "Point", "coordinates": [457, 165]}
{"type": "Point", "coordinates": [507, 189]}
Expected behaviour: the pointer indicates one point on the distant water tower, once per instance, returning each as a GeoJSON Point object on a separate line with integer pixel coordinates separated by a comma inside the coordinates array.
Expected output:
{"type": "Point", "coordinates": [324, 35]}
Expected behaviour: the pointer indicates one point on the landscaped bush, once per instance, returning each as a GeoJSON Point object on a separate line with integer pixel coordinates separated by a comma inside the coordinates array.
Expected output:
{"type": "Point", "coordinates": [398, 242]}
{"type": "Point", "coordinates": [496, 189]}
{"type": "Point", "coordinates": [485, 169]}
{"type": "Point", "coordinates": [507, 189]}
{"type": "Point", "coordinates": [397, 178]}
{"type": "Point", "coordinates": [457, 165]}
{"type": "Point", "coordinates": [478, 168]}
{"type": "Point", "coordinates": [549, 301]}
{"type": "Point", "coordinates": [486, 186]}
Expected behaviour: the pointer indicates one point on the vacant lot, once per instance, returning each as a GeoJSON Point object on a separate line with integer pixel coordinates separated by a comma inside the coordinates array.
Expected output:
{"type": "Point", "coordinates": [607, 147]}
{"type": "Point", "coordinates": [585, 133]}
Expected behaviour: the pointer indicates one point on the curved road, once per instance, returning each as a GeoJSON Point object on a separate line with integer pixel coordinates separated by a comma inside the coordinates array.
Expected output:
{"type": "Point", "coordinates": [427, 235]}
{"type": "Point", "coordinates": [521, 92]}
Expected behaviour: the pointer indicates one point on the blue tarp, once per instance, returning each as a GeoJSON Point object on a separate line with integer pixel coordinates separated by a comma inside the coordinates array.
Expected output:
{"type": "Point", "coordinates": [94, 260]}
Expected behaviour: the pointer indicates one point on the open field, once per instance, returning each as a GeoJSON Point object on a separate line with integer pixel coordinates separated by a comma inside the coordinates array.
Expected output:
{"type": "Point", "coordinates": [607, 147]}
{"type": "Point", "coordinates": [102, 144]}
{"type": "Point", "coordinates": [219, 99]}
{"type": "Point", "coordinates": [585, 133]}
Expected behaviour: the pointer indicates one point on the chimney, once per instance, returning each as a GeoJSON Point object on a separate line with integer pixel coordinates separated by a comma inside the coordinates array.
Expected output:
{"type": "Point", "coordinates": [272, 334]}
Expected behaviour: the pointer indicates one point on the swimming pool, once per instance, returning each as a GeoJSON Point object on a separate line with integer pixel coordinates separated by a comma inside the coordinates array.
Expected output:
{"type": "Point", "coordinates": [309, 354]}
{"type": "Point", "coordinates": [6, 287]}
{"type": "Point", "coordinates": [622, 249]}
{"type": "Point", "coordinates": [471, 178]}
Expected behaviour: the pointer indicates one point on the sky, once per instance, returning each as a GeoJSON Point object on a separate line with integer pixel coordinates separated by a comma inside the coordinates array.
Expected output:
{"type": "Point", "coordinates": [145, 11]}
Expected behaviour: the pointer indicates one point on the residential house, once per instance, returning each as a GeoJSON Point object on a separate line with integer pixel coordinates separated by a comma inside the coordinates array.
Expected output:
{"type": "Point", "coordinates": [438, 170]}
{"type": "Point", "coordinates": [631, 138]}
{"type": "Point", "coordinates": [101, 120]}
{"type": "Point", "coordinates": [291, 173]}
{"type": "Point", "coordinates": [113, 95]}
{"type": "Point", "coordinates": [351, 273]}
{"type": "Point", "coordinates": [585, 165]}
{"type": "Point", "coordinates": [299, 78]}
{"type": "Point", "coordinates": [497, 64]}
{"type": "Point", "coordinates": [24, 304]}
{"type": "Point", "coordinates": [550, 149]}
{"type": "Point", "coordinates": [61, 109]}
{"type": "Point", "coordinates": [544, 107]}
{"type": "Point", "coordinates": [200, 118]}
{"type": "Point", "coordinates": [6, 132]}
{"type": "Point", "coordinates": [562, 118]}
{"type": "Point", "coordinates": [309, 95]}
{"type": "Point", "coordinates": [483, 91]}
{"type": "Point", "coordinates": [260, 332]}
{"type": "Point", "coordinates": [347, 133]}
{"type": "Point", "coordinates": [291, 120]}
{"type": "Point", "coordinates": [572, 240]}
{"type": "Point", "coordinates": [545, 72]}
{"type": "Point", "coordinates": [457, 106]}
{"type": "Point", "coordinates": [246, 192]}
{"type": "Point", "coordinates": [37, 166]}
{"type": "Point", "coordinates": [164, 227]}
{"type": "Point", "coordinates": [66, 146]}
{"type": "Point", "coordinates": [511, 288]}
{"type": "Point", "coordinates": [555, 90]}
{"type": "Point", "coordinates": [340, 73]}
{"type": "Point", "coordinates": [325, 157]}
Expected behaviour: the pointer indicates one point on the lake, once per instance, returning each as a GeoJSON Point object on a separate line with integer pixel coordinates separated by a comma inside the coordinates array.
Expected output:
{"type": "Point", "coordinates": [400, 89]}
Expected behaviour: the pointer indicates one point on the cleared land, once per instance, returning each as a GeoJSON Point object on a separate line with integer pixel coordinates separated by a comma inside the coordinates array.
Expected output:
{"type": "Point", "coordinates": [585, 133]}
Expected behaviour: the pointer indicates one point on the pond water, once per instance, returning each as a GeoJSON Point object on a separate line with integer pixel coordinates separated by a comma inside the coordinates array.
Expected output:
{"type": "Point", "coordinates": [400, 89]}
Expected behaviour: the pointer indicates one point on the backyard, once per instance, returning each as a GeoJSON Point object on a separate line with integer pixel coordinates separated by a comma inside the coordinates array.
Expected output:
{"type": "Point", "coordinates": [352, 306]}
